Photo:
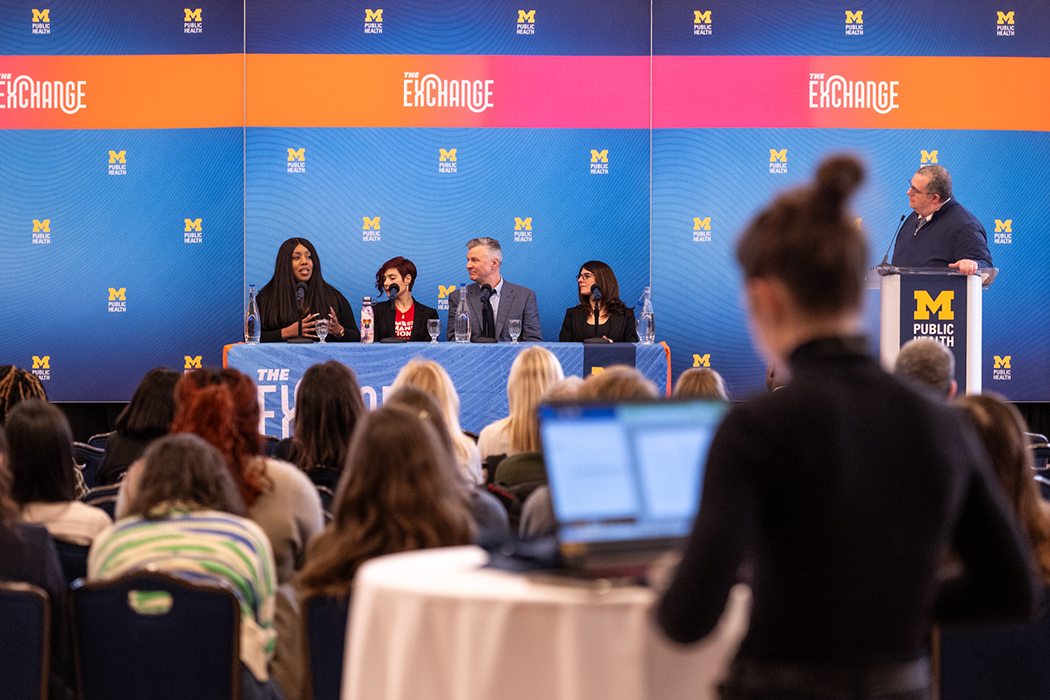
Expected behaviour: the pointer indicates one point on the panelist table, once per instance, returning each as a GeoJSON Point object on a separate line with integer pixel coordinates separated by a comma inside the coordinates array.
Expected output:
{"type": "Point", "coordinates": [479, 371]}
{"type": "Point", "coordinates": [433, 625]}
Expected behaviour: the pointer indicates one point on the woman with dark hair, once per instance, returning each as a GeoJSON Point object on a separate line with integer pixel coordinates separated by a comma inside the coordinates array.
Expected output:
{"type": "Point", "coordinates": [17, 384]}
{"type": "Point", "coordinates": [185, 519]}
{"type": "Point", "coordinates": [615, 321]}
{"type": "Point", "coordinates": [298, 265]}
{"type": "Point", "coordinates": [400, 316]}
{"type": "Point", "coordinates": [41, 457]}
{"type": "Point", "coordinates": [146, 418]}
{"type": "Point", "coordinates": [221, 407]}
{"type": "Point", "coordinates": [838, 495]}
{"type": "Point", "coordinates": [400, 491]}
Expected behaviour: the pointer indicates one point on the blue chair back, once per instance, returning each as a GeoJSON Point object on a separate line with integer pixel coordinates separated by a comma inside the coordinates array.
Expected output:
{"type": "Point", "coordinates": [151, 635]}
{"type": "Point", "coordinates": [73, 558]}
{"type": "Point", "coordinates": [104, 497]}
{"type": "Point", "coordinates": [100, 439]}
{"type": "Point", "coordinates": [25, 630]}
{"type": "Point", "coordinates": [324, 625]}
{"type": "Point", "coordinates": [1008, 661]}
{"type": "Point", "coordinates": [91, 458]}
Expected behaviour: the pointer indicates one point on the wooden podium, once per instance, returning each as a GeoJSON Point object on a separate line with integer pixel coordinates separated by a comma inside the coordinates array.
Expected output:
{"type": "Point", "coordinates": [919, 302]}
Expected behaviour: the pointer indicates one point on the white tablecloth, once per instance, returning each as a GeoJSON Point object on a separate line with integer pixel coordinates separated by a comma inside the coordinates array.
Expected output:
{"type": "Point", "coordinates": [433, 625]}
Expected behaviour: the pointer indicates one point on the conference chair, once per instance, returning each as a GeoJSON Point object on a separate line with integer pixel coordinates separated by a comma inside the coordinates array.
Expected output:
{"type": "Point", "coordinates": [104, 497]}
{"type": "Point", "coordinates": [1006, 661]}
{"type": "Point", "coordinates": [99, 440]}
{"type": "Point", "coordinates": [324, 641]}
{"type": "Point", "coordinates": [73, 558]}
{"type": "Point", "coordinates": [1041, 453]}
{"type": "Point", "coordinates": [90, 458]}
{"type": "Point", "coordinates": [270, 444]}
{"type": "Point", "coordinates": [1044, 486]}
{"type": "Point", "coordinates": [25, 641]}
{"type": "Point", "coordinates": [152, 635]}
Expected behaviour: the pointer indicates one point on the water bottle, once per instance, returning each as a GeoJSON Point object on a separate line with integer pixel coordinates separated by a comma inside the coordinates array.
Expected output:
{"type": "Point", "coordinates": [368, 318]}
{"type": "Point", "coordinates": [646, 325]}
{"type": "Point", "coordinates": [252, 327]}
{"type": "Point", "coordinates": [462, 317]}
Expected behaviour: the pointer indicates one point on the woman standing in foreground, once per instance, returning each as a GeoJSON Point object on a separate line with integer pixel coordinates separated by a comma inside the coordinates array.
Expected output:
{"type": "Point", "coordinates": [839, 493]}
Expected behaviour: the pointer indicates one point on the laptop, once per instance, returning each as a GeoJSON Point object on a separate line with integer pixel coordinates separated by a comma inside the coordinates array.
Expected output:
{"type": "Point", "coordinates": [625, 479]}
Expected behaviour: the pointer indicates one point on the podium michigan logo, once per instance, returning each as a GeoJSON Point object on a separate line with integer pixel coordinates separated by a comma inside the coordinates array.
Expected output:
{"type": "Point", "coordinates": [192, 363]}
{"type": "Point", "coordinates": [701, 229]}
{"type": "Point", "coordinates": [443, 293]}
{"type": "Point", "coordinates": [1004, 23]}
{"type": "Point", "coordinates": [25, 93]}
{"type": "Point", "coordinates": [600, 162]}
{"type": "Point", "coordinates": [42, 367]}
{"type": "Point", "coordinates": [927, 157]}
{"type": "Point", "coordinates": [778, 160]}
{"type": "Point", "coordinates": [42, 21]}
{"type": "Point", "coordinates": [118, 300]}
{"type": "Point", "coordinates": [297, 160]}
{"type": "Point", "coordinates": [1001, 368]}
{"type": "Point", "coordinates": [192, 23]}
{"type": "Point", "coordinates": [373, 21]}
{"type": "Point", "coordinates": [192, 233]}
{"type": "Point", "coordinates": [837, 92]}
{"type": "Point", "coordinates": [701, 22]}
{"type": "Point", "coordinates": [925, 304]}
{"type": "Point", "coordinates": [1004, 231]}
{"type": "Point", "coordinates": [433, 91]}
{"type": "Point", "coordinates": [702, 360]}
{"type": "Point", "coordinates": [42, 231]}
{"type": "Point", "coordinates": [446, 160]}
{"type": "Point", "coordinates": [118, 162]}
{"type": "Point", "coordinates": [523, 230]}
{"type": "Point", "coordinates": [526, 22]}
{"type": "Point", "coordinates": [854, 23]}
{"type": "Point", "coordinates": [370, 230]}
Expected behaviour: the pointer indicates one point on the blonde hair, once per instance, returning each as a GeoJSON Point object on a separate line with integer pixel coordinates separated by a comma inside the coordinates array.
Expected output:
{"type": "Point", "coordinates": [617, 383]}
{"type": "Point", "coordinates": [430, 377]}
{"type": "Point", "coordinates": [533, 371]}
{"type": "Point", "coordinates": [701, 383]}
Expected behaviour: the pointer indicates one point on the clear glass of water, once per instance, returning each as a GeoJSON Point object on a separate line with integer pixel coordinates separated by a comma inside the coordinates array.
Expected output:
{"type": "Point", "coordinates": [434, 329]}
{"type": "Point", "coordinates": [321, 328]}
{"type": "Point", "coordinates": [514, 325]}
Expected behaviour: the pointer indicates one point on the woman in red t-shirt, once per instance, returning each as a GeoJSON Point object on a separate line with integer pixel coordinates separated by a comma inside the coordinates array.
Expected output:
{"type": "Point", "coordinates": [401, 316]}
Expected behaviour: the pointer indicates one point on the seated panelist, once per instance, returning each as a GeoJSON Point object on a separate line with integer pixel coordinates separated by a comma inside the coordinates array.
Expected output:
{"type": "Point", "coordinates": [615, 321]}
{"type": "Point", "coordinates": [400, 316]}
{"type": "Point", "coordinates": [299, 268]}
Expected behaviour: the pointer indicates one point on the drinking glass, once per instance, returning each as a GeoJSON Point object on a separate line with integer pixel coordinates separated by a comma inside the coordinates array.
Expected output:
{"type": "Point", "coordinates": [515, 329]}
{"type": "Point", "coordinates": [321, 328]}
{"type": "Point", "coordinates": [434, 328]}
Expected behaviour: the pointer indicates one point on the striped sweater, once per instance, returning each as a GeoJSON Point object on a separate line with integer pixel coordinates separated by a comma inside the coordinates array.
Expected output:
{"type": "Point", "coordinates": [207, 547]}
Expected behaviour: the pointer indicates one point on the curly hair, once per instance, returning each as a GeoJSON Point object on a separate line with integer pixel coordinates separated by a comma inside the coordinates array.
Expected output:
{"type": "Point", "coordinates": [17, 384]}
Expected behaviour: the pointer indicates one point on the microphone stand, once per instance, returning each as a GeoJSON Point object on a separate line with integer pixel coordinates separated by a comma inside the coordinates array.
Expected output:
{"type": "Point", "coordinates": [596, 297]}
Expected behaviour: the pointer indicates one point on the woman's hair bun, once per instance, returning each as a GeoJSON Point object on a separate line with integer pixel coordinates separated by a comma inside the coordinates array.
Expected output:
{"type": "Point", "coordinates": [837, 178]}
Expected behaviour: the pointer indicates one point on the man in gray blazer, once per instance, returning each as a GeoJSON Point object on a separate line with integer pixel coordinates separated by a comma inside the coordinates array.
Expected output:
{"type": "Point", "coordinates": [484, 257]}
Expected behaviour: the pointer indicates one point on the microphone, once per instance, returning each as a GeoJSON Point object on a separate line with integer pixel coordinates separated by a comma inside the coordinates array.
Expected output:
{"type": "Point", "coordinates": [393, 290]}
{"type": "Point", "coordinates": [596, 293]}
{"type": "Point", "coordinates": [596, 296]}
{"type": "Point", "coordinates": [300, 292]}
{"type": "Point", "coordinates": [486, 292]}
{"type": "Point", "coordinates": [885, 258]}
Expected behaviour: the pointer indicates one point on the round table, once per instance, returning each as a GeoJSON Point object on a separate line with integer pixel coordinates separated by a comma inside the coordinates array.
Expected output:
{"type": "Point", "coordinates": [435, 625]}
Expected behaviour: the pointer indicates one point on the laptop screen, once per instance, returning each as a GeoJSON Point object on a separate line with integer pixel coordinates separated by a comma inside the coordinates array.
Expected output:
{"type": "Point", "coordinates": [629, 471]}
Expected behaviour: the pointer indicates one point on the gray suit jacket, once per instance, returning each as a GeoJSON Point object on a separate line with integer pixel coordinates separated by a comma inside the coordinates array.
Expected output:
{"type": "Point", "coordinates": [516, 302]}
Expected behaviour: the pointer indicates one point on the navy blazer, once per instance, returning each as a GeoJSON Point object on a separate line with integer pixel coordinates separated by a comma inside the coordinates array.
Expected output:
{"type": "Point", "coordinates": [516, 302]}
{"type": "Point", "coordinates": [384, 313]}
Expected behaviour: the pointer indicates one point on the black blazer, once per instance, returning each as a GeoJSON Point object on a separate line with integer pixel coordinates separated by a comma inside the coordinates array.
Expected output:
{"type": "Point", "coordinates": [384, 312]}
{"type": "Point", "coordinates": [622, 328]}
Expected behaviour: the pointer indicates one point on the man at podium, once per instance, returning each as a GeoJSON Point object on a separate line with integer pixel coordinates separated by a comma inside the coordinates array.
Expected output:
{"type": "Point", "coordinates": [940, 232]}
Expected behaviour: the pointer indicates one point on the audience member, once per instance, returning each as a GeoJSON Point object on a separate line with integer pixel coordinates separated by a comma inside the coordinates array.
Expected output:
{"type": "Point", "coordinates": [533, 370]}
{"type": "Point", "coordinates": [700, 383]}
{"type": "Point", "coordinates": [617, 383]}
{"type": "Point", "coordinates": [185, 519]}
{"type": "Point", "coordinates": [928, 364]}
{"type": "Point", "coordinates": [839, 493]}
{"type": "Point", "coordinates": [434, 380]}
{"type": "Point", "coordinates": [146, 418]}
{"type": "Point", "coordinates": [17, 384]}
{"type": "Point", "coordinates": [565, 389]}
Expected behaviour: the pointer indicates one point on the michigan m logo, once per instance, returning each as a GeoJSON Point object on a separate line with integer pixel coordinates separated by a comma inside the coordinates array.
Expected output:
{"type": "Point", "coordinates": [45, 16]}
{"type": "Point", "coordinates": [778, 156]}
{"type": "Point", "coordinates": [449, 155]}
{"type": "Point", "coordinates": [371, 224]}
{"type": "Point", "coordinates": [855, 17]}
{"type": "Point", "coordinates": [701, 224]}
{"type": "Point", "coordinates": [942, 305]}
{"type": "Point", "coordinates": [376, 16]}
{"type": "Point", "coordinates": [530, 17]}
{"type": "Point", "coordinates": [192, 15]}
{"type": "Point", "coordinates": [192, 225]}
{"type": "Point", "coordinates": [702, 360]}
{"type": "Point", "coordinates": [522, 224]}
{"type": "Point", "coordinates": [42, 226]}
{"type": "Point", "coordinates": [117, 294]}
{"type": "Point", "coordinates": [929, 156]}
{"type": "Point", "coordinates": [192, 362]}
{"type": "Point", "coordinates": [1003, 17]}
{"type": "Point", "coordinates": [115, 157]}
{"type": "Point", "coordinates": [294, 155]}
{"type": "Point", "coordinates": [597, 370]}
{"type": "Point", "coordinates": [1000, 362]}
{"type": "Point", "coordinates": [600, 156]}
{"type": "Point", "coordinates": [701, 17]}
{"type": "Point", "coordinates": [444, 291]}
{"type": "Point", "coordinates": [1003, 226]}
{"type": "Point", "coordinates": [45, 362]}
